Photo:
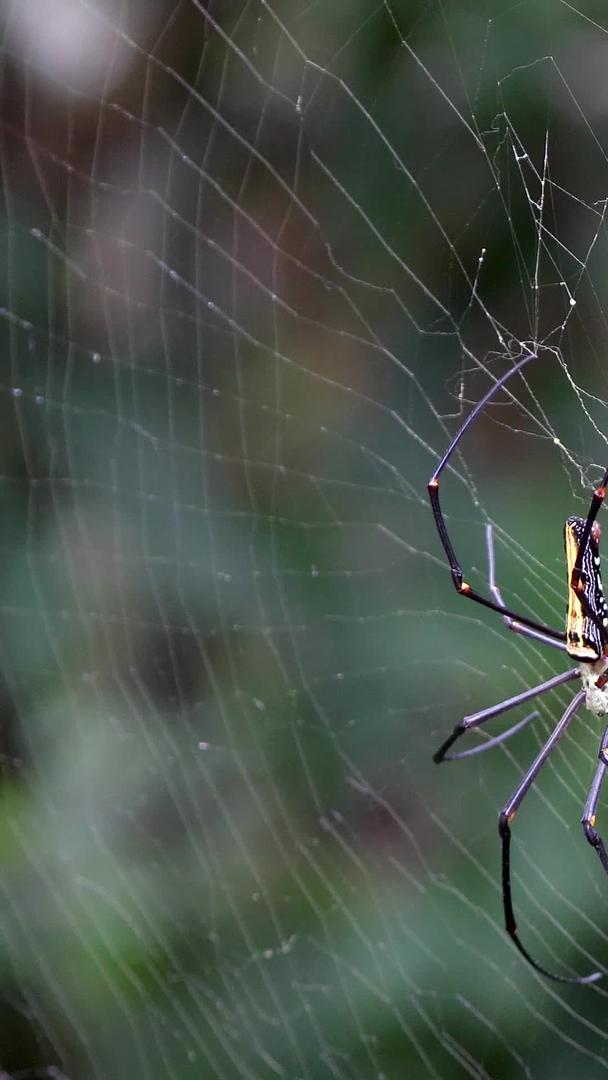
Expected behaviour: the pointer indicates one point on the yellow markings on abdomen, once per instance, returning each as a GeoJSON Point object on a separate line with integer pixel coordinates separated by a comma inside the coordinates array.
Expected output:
{"type": "Point", "coordinates": [575, 617]}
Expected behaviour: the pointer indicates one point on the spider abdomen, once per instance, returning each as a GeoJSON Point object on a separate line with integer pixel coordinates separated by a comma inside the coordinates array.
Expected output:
{"type": "Point", "coordinates": [587, 615]}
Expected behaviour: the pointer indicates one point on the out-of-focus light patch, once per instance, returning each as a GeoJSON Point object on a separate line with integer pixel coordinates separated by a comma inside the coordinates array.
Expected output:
{"type": "Point", "coordinates": [76, 45]}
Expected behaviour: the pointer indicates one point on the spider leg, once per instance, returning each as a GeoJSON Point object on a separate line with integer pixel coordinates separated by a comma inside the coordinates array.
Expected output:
{"type": "Point", "coordinates": [491, 743]}
{"type": "Point", "coordinates": [506, 817]}
{"type": "Point", "coordinates": [517, 628]}
{"type": "Point", "coordinates": [460, 584]}
{"type": "Point", "coordinates": [588, 819]}
{"type": "Point", "coordinates": [474, 720]}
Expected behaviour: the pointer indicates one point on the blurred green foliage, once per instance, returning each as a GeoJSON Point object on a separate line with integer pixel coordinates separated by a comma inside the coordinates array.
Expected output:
{"type": "Point", "coordinates": [255, 275]}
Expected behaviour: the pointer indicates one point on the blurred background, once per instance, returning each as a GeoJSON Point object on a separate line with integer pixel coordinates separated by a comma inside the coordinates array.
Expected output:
{"type": "Point", "coordinates": [260, 259]}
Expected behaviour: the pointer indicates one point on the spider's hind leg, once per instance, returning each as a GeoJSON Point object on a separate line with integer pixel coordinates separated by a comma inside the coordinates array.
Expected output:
{"type": "Point", "coordinates": [507, 814]}
{"type": "Point", "coordinates": [589, 813]}
{"type": "Point", "coordinates": [476, 719]}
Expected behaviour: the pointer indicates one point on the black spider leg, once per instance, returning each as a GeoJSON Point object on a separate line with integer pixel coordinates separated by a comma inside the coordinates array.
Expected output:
{"type": "Point", "coordinates": [476, 719]}
{"type": "Point", "coordinates": [506, 817]}
{"type": "Point", "coordinates": [576, 581]}
{"type": "Point", "coordinates": [588, 818]}
{"type": "Point", "coordinates": [460, 585]}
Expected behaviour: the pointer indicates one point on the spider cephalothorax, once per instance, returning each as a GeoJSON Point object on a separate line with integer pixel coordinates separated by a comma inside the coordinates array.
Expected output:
{"type": "Point", "coordinates": [585, 640]}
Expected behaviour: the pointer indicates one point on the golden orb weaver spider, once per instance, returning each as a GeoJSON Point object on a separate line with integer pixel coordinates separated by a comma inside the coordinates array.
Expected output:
{"type": "Point", "coordinates": [585, 640]}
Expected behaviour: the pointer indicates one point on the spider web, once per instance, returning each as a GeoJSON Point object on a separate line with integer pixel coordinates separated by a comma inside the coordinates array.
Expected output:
{"type": "Point", "coordinates": [260, 260]}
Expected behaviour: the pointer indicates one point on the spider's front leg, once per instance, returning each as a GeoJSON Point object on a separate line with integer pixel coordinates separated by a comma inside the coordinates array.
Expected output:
{"type": "Point", "coordinates": [463, 587]}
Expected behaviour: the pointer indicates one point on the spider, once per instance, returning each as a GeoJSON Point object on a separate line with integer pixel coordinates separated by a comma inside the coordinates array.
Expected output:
{"type": "Point", "coordinates": [585, 640]}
